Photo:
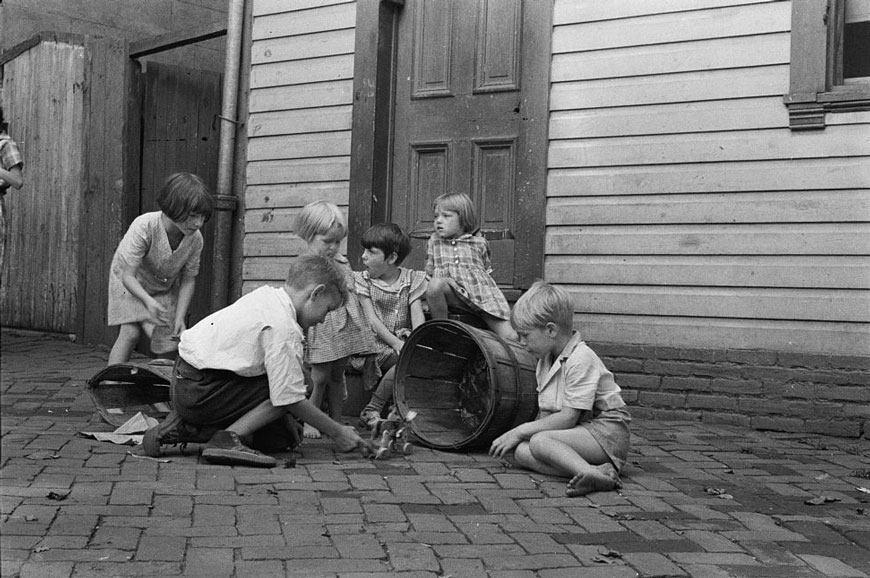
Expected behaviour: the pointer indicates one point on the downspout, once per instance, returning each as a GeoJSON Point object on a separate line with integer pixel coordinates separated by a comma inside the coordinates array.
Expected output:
{"type": "Point", "coordinates": [226, 201]}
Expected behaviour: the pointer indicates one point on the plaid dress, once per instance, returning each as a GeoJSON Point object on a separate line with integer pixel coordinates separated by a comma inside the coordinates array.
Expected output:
{"type": "Point", "coordinates": [10, 157]}
{"type": "Point", "coordinates": [465, 262]}
{"type": "Point", "coordinates": [392, 302]}
{"type": "Point", "coordinates": [345, 331]}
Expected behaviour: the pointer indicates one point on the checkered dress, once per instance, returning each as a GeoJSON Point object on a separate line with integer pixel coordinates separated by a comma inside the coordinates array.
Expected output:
{"type": "Point", "coordinates": [392, 302]}
{"type": "Point", "coordinates": [345, 331]}
{"type": "Point", "coordinates": [466, 263]}
{"type": "Point", "coordinates": [10, 156]}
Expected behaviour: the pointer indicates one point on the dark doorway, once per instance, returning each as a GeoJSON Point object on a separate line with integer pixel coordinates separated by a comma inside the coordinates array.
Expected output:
{"type": "Point", "coordinates": [467, 112]}
{"type": "Point", "coordinates": [179, 132]}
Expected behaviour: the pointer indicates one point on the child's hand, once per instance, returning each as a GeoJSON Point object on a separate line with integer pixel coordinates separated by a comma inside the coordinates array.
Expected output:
{"type": "Point", "coordinates": [159, 314]}
{"type": "Point", "coordinates": [403, 333]}
{"type": "Point", "coordinates": [504, 443]}
{"type": "Point", "coordinates": [348, 440]}
{"type": "Point", "coordinates": [178, 328]}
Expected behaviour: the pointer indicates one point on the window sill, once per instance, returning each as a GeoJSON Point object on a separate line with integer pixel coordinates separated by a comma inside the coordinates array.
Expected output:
{"type": "Point", "coordinates": [808, 111]}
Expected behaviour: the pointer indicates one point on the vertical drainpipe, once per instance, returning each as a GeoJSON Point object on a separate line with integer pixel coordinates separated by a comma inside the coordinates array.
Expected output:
{"type": "Point", "coordinates": [226, 200]}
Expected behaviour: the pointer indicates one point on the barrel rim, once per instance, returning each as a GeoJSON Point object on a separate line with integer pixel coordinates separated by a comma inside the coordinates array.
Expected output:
{"type": "Point", "coordinates": [472, 332]}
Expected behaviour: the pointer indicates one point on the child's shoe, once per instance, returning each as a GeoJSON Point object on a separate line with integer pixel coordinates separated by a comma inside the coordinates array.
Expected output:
{"type": "Point", "coordinates": [226, 448]}
{"type": "Point", "coordinates": [172, 431]}
{"type": "Point", "coordinates": [370, 416]}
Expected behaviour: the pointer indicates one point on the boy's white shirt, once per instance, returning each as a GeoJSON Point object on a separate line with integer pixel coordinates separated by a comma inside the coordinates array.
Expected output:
{"type": "Point", "coordinates": [256, 335]}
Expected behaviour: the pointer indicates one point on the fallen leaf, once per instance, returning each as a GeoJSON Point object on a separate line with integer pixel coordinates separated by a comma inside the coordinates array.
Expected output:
{"type": "Point", "coordinates": [39, 549]}
{"type": "Point", "coordinates": [865, 490]}
{"type": "Point", "coordinates": [57, 496]}
{"type": "Point", "coordinates": [43, 455]}
{"type": "Point", "coordinates": [821, 500]}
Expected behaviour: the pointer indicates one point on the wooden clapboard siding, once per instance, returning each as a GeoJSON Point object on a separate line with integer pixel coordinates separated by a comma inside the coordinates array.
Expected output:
{"type": "Point", "coordinates": [299, 125]}
{"type": "Point", "coordinates": [810, 271]}
{"type": "Point", "coordinates": [816, 174]}
{"type": "Point", "coordinates": [787, 206]}
{"type": "Point", "coordinates": [719, 333]}
{"type": "Point", "coordinates": [682, 211]}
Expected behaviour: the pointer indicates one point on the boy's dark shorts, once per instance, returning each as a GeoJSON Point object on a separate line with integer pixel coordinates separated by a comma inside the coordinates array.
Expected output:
{"type": "Point", "coordinates": [214, 397]}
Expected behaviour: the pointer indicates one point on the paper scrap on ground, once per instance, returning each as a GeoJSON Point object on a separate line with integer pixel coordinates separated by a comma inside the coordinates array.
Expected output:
{"type": "Point", "coordinates": [129, 433]}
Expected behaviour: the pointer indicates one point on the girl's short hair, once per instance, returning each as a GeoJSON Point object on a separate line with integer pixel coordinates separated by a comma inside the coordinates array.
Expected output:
{"type": "Point", "coordinates": [461, 204]}
{"type": "Point", "coordinates": [541, 304]}
{"type": "Point", "coordinates": [184, 194]}
{"type": "Point", "coordinates": [389, 238]}
{"type": "Point", "coordinates": [318, 218]}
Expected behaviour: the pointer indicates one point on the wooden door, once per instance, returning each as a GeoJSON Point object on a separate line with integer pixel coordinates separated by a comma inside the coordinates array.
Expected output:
{"type": "Point", "coordinates": [465, 83]}
{"type": "Point", "coordinates": [180, 134]}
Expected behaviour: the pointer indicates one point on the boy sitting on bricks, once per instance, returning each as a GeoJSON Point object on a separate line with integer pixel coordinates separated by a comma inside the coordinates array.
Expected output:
{"type": "Point", "coordinates": [581, 430]}
{"type": "Point", "coordinates": [240, 370]}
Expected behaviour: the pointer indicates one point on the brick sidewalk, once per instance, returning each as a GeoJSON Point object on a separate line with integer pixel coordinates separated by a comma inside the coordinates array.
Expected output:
{"type": "Point", "coordinates": [699, 500]}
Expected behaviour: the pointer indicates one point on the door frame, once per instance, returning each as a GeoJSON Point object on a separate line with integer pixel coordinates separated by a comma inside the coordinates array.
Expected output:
{"type": "Point", "coordinates": [373, 96]}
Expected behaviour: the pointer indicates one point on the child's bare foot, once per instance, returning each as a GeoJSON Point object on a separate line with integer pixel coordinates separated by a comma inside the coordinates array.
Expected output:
{"type": "Point", "coordinates": [310, 432]}
{"type": "Point", "coordinates": [597, 479]}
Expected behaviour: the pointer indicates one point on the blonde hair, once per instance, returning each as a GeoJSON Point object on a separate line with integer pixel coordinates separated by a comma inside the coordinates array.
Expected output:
{"type": "Point", "coordinates": [461, 204]}
{"type": "Point", "coordinates": [542, 304]}
{"type": "Point", "coordinates": [319, 218]}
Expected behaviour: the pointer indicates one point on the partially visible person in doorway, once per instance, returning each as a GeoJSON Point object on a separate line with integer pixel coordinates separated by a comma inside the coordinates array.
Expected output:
{"type": "Point", "coordinates": [11, 176]}
{"type": "Point", "coordinates": [153, 273]}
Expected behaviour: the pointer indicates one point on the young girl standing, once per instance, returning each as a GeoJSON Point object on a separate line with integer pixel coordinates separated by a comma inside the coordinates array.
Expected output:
{"type": "Point", "coordinates": [154, 268]}
{"type": "Point", "coordinates": [458, 264]}
{"type": "Point", "coordinates": [345, 331]}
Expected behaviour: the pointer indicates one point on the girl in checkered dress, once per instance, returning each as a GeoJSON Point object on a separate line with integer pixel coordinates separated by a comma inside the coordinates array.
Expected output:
{"type": "Point", "coordinates": [391, 297]}
{"type": "Point", "coordinates": [345, 331]}
{"type": "Point", "coordinates": [459, 268]}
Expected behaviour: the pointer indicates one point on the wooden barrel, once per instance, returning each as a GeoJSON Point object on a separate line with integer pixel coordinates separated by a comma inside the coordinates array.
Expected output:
{"type": "Point", "coordinates": [467, 385]}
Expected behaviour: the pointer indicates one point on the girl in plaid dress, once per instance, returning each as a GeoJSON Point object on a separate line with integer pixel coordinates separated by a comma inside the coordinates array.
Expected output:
{"type": "Point", "coordinates": [458, 266]}
{"type": "Point", "coordinates": [345, 331]}
{"type": "Point", "coordinates": [391, 297]}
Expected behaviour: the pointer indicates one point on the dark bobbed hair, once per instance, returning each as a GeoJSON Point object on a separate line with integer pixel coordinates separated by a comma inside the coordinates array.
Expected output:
{"type": "Point", "coordinates": [183, 194]}
{"type": "Point", "coordinates": [307, 270]}
{"type": "Point", "coordinates": [389, 238]}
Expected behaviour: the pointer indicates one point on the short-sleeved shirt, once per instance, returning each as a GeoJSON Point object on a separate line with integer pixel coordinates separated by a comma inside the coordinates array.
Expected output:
{"type": "Point", "coordinates": [256, 335]}
{"type": "Point", "coordinates": [577, 378]}
{"type": "Point", "coordinates": [145, 248]}
{"type": "Point", "coordinates": [10, 157]}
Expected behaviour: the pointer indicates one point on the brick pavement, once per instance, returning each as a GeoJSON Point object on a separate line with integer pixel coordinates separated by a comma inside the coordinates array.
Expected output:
{"type": "Point", "coordinates": [700, 500]}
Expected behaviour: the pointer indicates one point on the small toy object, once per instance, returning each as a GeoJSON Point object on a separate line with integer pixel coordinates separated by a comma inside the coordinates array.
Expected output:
{"type": "Point", "coordinates": [392, 434]}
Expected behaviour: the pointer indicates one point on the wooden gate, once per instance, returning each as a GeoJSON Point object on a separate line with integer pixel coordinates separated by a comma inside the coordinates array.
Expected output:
{"type": "Point", "coordinates": [64, 95]}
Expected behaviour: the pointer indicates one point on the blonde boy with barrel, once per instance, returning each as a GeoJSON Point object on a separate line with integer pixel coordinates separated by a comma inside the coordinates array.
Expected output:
{"type": "Point", "coordinates": [581, 431]}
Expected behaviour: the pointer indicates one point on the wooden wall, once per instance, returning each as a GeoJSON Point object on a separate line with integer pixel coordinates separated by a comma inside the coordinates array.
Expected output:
{"type": "Point", "coordinates": [681, 209]}
{"type": "Point", "coordinates": [65, 97]}
{"type": "Point", "coordinates": [299, 125]}
{"type": "Point", "coordinates": [43, 100]}
{"type": "Point", "coordinates": [127, 19]}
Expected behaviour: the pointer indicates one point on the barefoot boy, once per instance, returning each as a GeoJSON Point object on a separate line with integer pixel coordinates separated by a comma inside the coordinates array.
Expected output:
{"type": "Point", "coordinates": [581, 431]}
{"type": "Point", "coordinates": [240, 369]}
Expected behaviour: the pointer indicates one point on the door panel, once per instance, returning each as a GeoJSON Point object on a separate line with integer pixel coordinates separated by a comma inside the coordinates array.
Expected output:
{"type": "Point", "coordinates": [458, 118]}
